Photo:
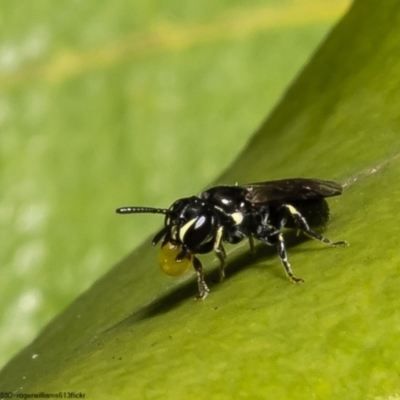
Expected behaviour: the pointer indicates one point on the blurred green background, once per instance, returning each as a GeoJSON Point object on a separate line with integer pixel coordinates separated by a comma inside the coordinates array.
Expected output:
{"type": "Point", "coordinates": [117, 103]}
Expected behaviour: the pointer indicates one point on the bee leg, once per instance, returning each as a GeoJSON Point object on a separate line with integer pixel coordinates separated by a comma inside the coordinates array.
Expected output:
{"type": "Point", "coordinates": [220, 252]}
{"type": "Point", "coordinates": [201, 283]}
{"type": "Point", "coordinates": [264, 234]}
{"type": "Point", "coordinates": [184, 253]}
{"type": "Point", "coordinates": [302, 225]}
{"type": "Point", "coordinates": [273, 237]}
{"type": "Point", "coordinates": [160, 235]}
{"type": "Point", "coordinates": [284, 259]}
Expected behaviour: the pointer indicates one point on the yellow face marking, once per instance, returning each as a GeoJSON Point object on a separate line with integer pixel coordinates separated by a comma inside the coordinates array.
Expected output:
{"type": "Point", "coordinates": [184, 228]}
{"type": "Point", "coordinates": [167, 260]}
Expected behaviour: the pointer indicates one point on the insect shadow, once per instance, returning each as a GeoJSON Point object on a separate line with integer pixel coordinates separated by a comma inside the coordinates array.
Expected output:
{"type": "Point", "coordinates": [263, 254]}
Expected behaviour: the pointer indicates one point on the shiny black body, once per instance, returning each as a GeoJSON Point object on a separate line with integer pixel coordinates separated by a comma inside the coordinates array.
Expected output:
{"type": "Point", "coordinates": [229, 214]}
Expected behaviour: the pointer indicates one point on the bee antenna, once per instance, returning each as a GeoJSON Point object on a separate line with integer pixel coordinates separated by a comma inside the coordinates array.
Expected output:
{"type": "Point", "coordinates": [141, 210]}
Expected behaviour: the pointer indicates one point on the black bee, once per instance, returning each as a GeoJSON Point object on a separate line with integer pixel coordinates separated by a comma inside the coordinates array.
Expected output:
{"type": "Point", "coordinates": [229, 214]}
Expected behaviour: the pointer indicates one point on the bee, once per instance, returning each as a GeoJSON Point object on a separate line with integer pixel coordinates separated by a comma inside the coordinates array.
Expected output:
{"type": "Point", "coordinates": [229, 214]}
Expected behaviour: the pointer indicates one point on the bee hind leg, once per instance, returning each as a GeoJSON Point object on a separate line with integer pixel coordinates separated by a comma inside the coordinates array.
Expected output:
{"type": "Point", "coordinates": [282, 253]}
{"type": "Point", "coordinates": [302, 225]}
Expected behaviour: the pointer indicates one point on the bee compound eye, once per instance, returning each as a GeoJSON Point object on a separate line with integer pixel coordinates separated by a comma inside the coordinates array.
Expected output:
{"type": "Point", "coordinates": [197, 232]}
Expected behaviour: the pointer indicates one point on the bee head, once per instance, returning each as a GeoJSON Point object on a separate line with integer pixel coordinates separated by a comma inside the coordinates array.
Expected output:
{"type": "Point", "coordinates": [193, 223]}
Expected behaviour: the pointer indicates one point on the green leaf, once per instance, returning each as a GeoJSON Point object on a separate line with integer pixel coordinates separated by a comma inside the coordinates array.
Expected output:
{"type": "Point", "coordinates": [114, 103]}
{"type": "Point", "coordinates": [138, 334]}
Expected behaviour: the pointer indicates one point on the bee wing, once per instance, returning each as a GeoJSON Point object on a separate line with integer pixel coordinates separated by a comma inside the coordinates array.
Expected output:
{"type": "Point", "coordinates": [291, 190]}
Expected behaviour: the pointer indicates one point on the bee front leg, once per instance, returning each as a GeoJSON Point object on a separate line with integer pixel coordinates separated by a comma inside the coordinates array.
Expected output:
{"type": "Point", "coordinates": [201, 283]}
